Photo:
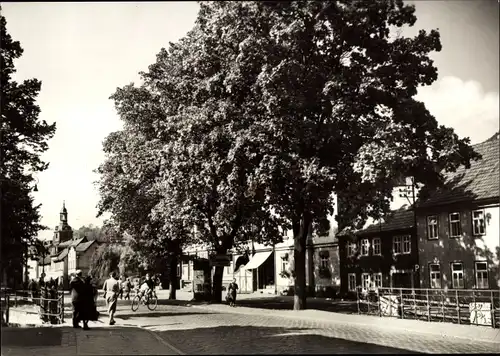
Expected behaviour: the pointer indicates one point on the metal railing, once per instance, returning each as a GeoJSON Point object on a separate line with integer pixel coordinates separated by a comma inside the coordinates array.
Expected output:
{"type": "Point", "coordinates": [461, 306]}
{"type": "Point", "coordinates": [49, 304]}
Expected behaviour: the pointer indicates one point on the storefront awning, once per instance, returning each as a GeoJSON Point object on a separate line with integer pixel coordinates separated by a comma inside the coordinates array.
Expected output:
{"type": "Point", "coordinates": [257, 259]}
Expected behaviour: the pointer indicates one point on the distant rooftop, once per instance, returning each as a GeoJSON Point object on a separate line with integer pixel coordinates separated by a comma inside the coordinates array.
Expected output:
{"type": "Point", "coordinates": [480, 181]}
{"type": "Point", "coordinates": [396, 220]}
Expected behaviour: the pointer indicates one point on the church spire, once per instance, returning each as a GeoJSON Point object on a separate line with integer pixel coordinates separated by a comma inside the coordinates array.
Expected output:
{"type": "Point", "coordinates": [64, 214]}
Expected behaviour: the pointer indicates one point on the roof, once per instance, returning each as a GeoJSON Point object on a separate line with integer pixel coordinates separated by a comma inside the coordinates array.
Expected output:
{"type": "Point", "coordinates": [71, 243]}
{"type": "Point", "coordinates": [62, 255]}
{"type": "Point", "coordinates": [480, 181]}
{"type": "Point", "coordinates": [44, 261]}
{"type": "Point", "coordinates": [396, 220]}
{"type": "Point", "coordinates": [84, 246]}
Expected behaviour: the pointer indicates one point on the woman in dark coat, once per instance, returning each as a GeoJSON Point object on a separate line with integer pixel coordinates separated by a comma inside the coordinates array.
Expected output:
{"type": "Point", "coordinates": [89, 310]}
{"type": "Point", "coordinates": [231, 293]}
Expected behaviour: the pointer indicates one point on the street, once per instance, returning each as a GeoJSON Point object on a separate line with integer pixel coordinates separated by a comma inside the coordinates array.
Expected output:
{"type": "Point", "coordinates": [179, 327]}
{"type": "Point", "coordinates": [198, 331]}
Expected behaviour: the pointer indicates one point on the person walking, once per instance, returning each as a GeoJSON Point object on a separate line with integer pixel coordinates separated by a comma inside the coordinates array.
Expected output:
{"type": "Point", "coordinates": [231, 292]}
{"type": "Point", "coordinates": [111, 290]}
{"type": "Point", "coordinates": [77, 286]}
{"type": "Point", "coordinates": [126, 288]}
{"type": "Point", "coordinates": [89, 309]}
{"type": "Point", "coordinates": [122, 284]}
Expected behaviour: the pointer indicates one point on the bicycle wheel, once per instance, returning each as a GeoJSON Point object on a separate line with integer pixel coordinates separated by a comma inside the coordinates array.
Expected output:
{"type": "Point", "coordinates": [135, 303]}
{"type": "Point", "coordinates": [152, 302]}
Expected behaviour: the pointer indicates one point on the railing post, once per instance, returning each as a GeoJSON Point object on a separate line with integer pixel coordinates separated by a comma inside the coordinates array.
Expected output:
{"type": "Point", "coordinates": [493, 321]}
{"type": "Point", "coordinates": [62, 307]}
{"type": "Point", "coordinates": [401, 303]}
{"type": "Point", "coordinates": [475, 306]}
{"type": "Point", "coordinates": [458, 307]}
{"type": "Point", "coordinates": [443, 301]}
{"type": "Point", "coordinates": [414, 296]}
{"type": "Point", "coordinates": [428, 306]}
{"type": "Point", "coordinates": [390, 302]}
{"type": "Point", "coordinates": [7, 297]}
{"type": "Point", "coordinates": [357, 298]}
{"type": "Point", "coordinates": [379, 305]}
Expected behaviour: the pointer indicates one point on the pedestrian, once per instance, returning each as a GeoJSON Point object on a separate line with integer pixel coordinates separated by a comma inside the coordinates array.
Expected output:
{"type": "Point", "coordinates": [33, 289]}
{"type": "Point", "coordinates": [231, 292]}
{"type": "Point", "coordinates": [122, 284]}
{"type": "Point", "coordinates": [111, 290]}
{"type": "Point", "coordinates": [89, 309]}
{"type": "Point", "coordinates": [126, 289]}
{"type": "Point", "coordinates": [77, 286]}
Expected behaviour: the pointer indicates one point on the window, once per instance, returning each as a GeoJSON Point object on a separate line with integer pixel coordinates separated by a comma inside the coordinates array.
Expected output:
{"type": "Point", "coordinates": [377, 280]}
{"type": "Point", "coordinates": [351, 249]}
{"type": "Point", "coordinates": [396, 244]}
{"type": "Point", "coordinates": [432, 227]}
{"type": "Point", "coordinates": [365, 246]}
{"type": "Point", "coordinates": [365, 281]}
{"type": "Point", "coordinates": [284, 262]}
{"type": "Point", "coordinates": [455, 225]}
{"type": "Point", "coordinates": [482, 275]}
{"type": "Point", "coordinates": [284, 265]}
{"type": "Point", "coordinates": [407, 244]}
{"type": "Point", "coordinates": [376, 246]}
{"type": "Point", "coordinates": [324, 261]}
{"type": "Point", "coordinates": [179, 269]}
{"type": "Point", "coordinates": [478, 226]}
{"type": "Point", "coordinates": [351, 277]}
{"type": "Point", "coordinates": [457, 275]}
{"type": "Point", "coordinates": [435, 275]}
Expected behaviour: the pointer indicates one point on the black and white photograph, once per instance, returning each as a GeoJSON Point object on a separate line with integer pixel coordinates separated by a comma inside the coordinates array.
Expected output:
{"type": "Point", "coordinates": [249, 177]}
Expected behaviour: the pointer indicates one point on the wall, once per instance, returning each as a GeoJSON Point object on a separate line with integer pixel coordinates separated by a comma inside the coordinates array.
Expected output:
{"type": "Point", "coordinates": [72, 261]}
{"type": "Point", "coordinates": [322, 283]}
{"type": "Point", "coordinates": [383, 263]}
{"type": "Point", "coordinates": [84, 258]}
{"type": "Point", "coordinates": [468, 248]}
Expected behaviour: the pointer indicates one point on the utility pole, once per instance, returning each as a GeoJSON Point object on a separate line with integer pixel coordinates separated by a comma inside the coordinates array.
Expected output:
{"type": "Point", "coordinates": [407, 192]}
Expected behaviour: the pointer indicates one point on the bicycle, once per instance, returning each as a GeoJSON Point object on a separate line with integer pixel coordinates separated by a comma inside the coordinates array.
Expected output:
{"type": "Point", "coordinates": [151, 301]}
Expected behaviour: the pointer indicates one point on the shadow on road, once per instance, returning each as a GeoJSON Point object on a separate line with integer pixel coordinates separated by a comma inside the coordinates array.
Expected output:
{"type": "Point", "coordinates": [280, 303]}
{"type": "Point", "coordinates": [151, 314]}
{"type": "Point", "coordinates": [233, 340]}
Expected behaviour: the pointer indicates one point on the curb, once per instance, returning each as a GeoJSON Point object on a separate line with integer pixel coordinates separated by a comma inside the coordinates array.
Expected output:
{"type": "Point", "coordinates": [162, 341]}
{"type": "Point", "coordinates": [387, 326]}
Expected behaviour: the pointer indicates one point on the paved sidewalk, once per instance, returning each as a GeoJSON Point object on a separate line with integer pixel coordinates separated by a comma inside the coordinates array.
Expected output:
{"type": "Point", "coordinates": [66, 341]}
{"type": "Point", "coordinates": [474, 333]}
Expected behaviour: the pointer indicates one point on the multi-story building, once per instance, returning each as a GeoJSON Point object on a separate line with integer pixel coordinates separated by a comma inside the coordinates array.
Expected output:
{"type": "Point", "coordinates": [80, 255]}
{"type": "Point", "coordinates": [267, 269]}
{"type": "Point", "coordinates": [459, 227]}
{"type": "Point", "coordinates": [382, 254]}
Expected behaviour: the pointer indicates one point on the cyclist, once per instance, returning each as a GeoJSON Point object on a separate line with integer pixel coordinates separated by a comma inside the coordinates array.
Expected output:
{"type": "Point", "coordinates": [147, 288]}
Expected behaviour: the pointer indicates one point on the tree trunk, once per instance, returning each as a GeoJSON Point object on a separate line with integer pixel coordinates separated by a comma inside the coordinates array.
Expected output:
{"type": "Point", "coordinates": [173, 277]}
{"type": "Point", "coordinates": [217, 284]}
{"type": "Point", "coordinates": [300, 232]}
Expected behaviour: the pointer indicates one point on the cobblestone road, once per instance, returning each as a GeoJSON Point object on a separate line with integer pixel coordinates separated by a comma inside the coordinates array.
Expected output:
{"type": "Point", "coordinates": [198, 331]}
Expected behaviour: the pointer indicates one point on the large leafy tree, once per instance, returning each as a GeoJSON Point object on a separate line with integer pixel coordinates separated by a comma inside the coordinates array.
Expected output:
{"type": "Point", "coordinates": [331, 92]}
{"type": "Point", "coordinates": [23, 138]}
{"type": "Point", "coordinates": [128, 191]}
{"type": "Point", "coordinates": [183, 129]}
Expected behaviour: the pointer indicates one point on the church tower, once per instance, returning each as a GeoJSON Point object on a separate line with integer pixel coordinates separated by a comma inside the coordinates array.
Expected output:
{"type": "Point", "coordinates": [63, 232]}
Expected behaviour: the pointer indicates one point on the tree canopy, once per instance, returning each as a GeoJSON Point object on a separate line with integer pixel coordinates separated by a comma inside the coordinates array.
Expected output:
{"type": "Point", "coordinates": [23, 138]}
{"type": "Point", "coordinates": [265, 109]}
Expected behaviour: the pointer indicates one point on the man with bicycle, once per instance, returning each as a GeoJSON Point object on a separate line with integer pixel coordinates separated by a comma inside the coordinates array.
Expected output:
{"type": "Point", "coordinates": [147, 288]}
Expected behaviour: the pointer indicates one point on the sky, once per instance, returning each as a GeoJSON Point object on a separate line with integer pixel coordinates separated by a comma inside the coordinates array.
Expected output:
{"type": "Point", "coordinates": [83, 51]}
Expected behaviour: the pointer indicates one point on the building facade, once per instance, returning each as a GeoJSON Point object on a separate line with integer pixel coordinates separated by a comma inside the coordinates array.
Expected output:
{"type": "Point", "coordinates": [383, 254]}
{"type": "Point", "coordinates": [267, 269]}
{"type": "Point", "coordinates": [459, 227]}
